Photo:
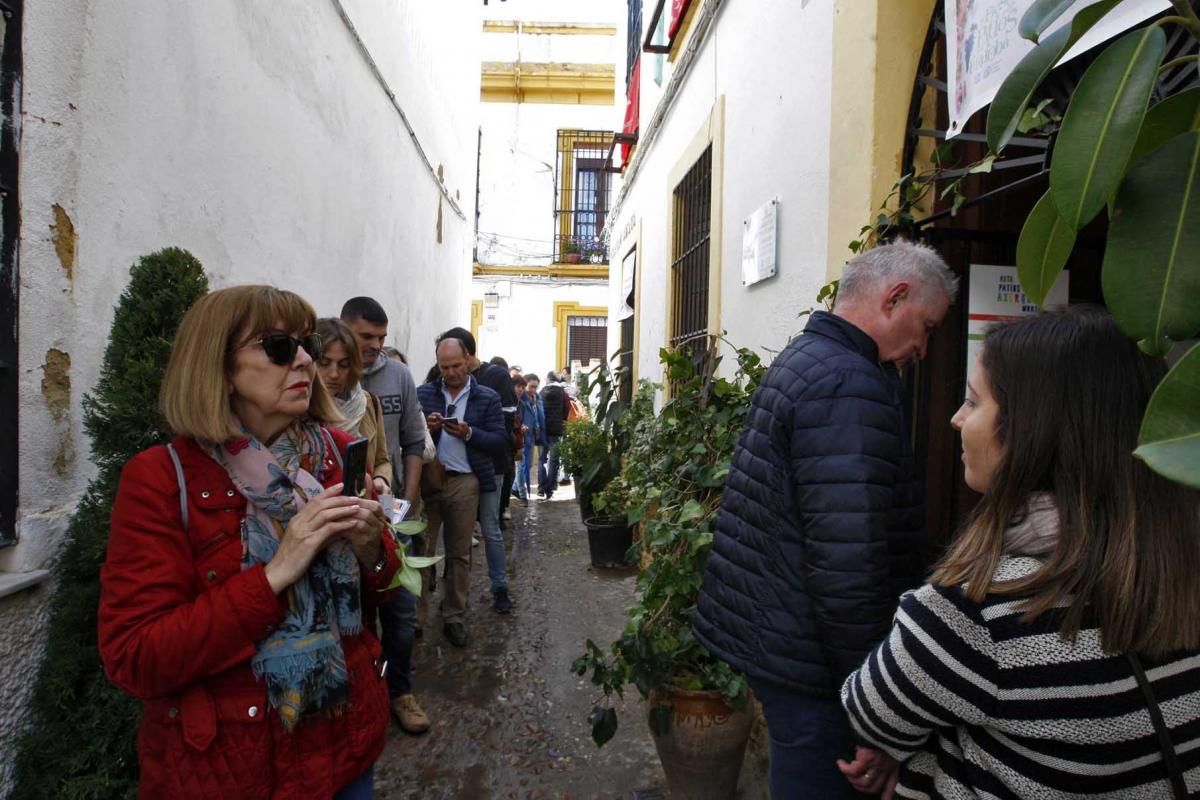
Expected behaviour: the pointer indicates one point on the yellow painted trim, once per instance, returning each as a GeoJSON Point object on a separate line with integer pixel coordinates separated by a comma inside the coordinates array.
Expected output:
{"type": "Point", "coordinates": [549, 28]}
{"type": "Point", "coordinates": [547, 82]}
{"type": "Point", "coordinates": [561, 312]}
{"type": "Point", "coordinates": [876, 47]}
{"type": "Point", "coordinates": [597, 271]}
{"type": "Point", "coordinates": [712, 132]}
{"type": "Point", "coordinates": [685, 30]}
{"type": "Point", "coordinates": [476, 318]}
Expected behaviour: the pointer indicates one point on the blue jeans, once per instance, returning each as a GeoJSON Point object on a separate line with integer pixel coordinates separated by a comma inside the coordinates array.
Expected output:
{"type": "Point", "coordinates": [548, 469]}
{"type": "Point", "coordinates": [808, 735]}
{"type": "Point", "coordinates": [361, 788]}
{"type": "Point", "coordinates": [522, 486]}
{"type": "Point", "coordinates": [493, 539]}
{"type": "Point", "coordinates": [398, 619]}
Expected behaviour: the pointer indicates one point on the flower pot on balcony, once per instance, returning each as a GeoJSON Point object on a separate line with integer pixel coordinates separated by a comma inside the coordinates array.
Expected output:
{"type": "Point", "coordinates": [571, 258]}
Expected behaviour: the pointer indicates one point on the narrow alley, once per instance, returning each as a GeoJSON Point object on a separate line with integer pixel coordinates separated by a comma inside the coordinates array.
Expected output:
{"type": "Point", "coordinates": [509, 718]}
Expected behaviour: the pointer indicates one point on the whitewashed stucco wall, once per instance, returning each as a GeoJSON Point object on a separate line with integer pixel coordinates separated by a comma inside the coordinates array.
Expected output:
{"type": "Point", "coordinates": [773, 68]}
{"type": "Point", "coordinates": [521, 327]}
{"type": "Point", "coordinates": [253, 135]}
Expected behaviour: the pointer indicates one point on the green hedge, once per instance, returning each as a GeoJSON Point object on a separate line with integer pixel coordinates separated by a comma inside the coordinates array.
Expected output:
{"type": "Point", "coordinates": [81, 743]}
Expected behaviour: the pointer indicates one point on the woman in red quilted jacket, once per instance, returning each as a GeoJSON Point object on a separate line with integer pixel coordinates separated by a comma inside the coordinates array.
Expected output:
{"type": "Point", "coordinates": [233, 590]}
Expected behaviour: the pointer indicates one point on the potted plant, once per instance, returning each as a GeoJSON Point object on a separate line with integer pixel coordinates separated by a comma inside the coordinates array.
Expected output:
{"type": "Point", "coordinates": [584, 453]}
{"type": "Point", "coordinates": [570, 249]}
{"type": "Point", "coordinates": [594, 253]}
{"type": "Point", "coordinates": [674, 473]}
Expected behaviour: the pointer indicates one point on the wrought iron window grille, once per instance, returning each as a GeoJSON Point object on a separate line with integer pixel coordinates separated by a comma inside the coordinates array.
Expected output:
{"type": "Point", "coordinates": [690, 257]}
{"type": "Point", "coordinates": [582, 196]}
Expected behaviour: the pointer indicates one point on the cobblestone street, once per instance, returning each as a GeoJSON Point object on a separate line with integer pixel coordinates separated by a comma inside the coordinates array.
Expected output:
{"type": "Point", "coordinates": [509, 718]}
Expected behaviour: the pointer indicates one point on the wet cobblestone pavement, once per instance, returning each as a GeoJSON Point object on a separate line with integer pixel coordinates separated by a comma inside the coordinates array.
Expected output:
{"type": "Point", "coordinates": [509, 717]}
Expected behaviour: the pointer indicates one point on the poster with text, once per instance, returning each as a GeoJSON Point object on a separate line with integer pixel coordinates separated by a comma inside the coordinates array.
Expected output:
{"type": "Point", "coordinates": [995, 296]}
{"type": "Point", "coordinates": [983, 46]}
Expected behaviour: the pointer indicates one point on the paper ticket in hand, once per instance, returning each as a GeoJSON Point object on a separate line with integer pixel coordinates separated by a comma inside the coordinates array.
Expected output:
{"type": "Point", "coordinates": [399, 510]}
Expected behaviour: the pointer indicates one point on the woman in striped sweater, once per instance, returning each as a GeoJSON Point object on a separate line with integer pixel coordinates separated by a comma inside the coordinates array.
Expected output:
{"type": "Point", "coordinates": [1055, 651]}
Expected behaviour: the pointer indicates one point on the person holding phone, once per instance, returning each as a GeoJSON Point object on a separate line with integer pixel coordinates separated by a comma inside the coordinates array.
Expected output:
{"type": "Point", "coordinates": [237, 572]}
{"type": "Point", "coordinates": [465, 419]}
{"type": "Point", "coordinates": [340, 367]}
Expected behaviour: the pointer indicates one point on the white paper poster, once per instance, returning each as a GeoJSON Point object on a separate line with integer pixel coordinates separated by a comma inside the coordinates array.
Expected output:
{"type": "Point", "coordinates": [995, 296]}
{"type": "Point", "coordinates": [983, 46]}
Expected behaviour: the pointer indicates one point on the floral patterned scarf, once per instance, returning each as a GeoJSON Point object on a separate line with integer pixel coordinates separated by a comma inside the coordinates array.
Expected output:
{"type": "Point", "coordinates": [302, 661]}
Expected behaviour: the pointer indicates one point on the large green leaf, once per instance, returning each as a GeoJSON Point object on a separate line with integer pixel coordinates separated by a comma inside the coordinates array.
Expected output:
{"type": "Point", "coordinates": [1164, 121]}
{"type": "Point", "coordinates": [1169, 441]}
{"type": "Point", "coordinates": [1151, 272]}
{"type": "Point", "coordinates": [1017, 90]}
{"type": "Point", "coordinates": [1043, 249]}
{"type": "Point", "coordinates": [1041, 15]}
{"type": "Point", "coordinates": [1101, 125]}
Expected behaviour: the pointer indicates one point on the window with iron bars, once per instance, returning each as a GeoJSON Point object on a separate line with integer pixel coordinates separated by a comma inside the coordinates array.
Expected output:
{"type": "Point", "coordinates": [587, 338]}
{"type": "Point", "coordinates": [10, 81]}
{"type": "Point", "coordinates": [690, 257]}
{"type": "Point", "coordinates": [581, 195]}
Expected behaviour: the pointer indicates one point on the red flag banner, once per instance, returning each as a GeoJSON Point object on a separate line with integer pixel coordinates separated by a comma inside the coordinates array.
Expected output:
{"type": "Point", "coordinates": [633, 93]}
{"type": "Point", "coordinates": [678, 11]}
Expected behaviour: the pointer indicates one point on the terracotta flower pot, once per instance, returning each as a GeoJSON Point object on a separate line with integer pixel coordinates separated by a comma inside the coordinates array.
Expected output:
{"type": "Point", "coordinates": [702, 751]}
{"type": "Point", "coordinates": [571, 258]}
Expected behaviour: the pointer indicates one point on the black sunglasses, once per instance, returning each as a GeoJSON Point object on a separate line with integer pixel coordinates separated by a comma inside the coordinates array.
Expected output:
{"type": "Point", "coordinates": [450, 409]}
{"type": "Point", "coordinates": [281, 348]}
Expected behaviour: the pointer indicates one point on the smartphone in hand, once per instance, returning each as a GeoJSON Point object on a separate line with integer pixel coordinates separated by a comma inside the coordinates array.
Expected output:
{"type": "Point", "coordinates": [354, 469]}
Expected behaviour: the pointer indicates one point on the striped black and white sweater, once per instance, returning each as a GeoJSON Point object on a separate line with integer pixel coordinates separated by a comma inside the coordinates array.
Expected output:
{"type": "Point", "coordinates": [978, 704]}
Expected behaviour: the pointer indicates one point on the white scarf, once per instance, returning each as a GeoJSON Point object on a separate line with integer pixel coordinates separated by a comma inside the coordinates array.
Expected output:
{"type": "Point", "coordinates": [353, 405]}
{"type": "Point", "coordinates": [1036, 532]}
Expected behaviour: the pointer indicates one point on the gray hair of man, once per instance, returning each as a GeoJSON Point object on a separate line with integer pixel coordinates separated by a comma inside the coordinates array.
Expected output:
{"type": "Point", "coordinates": [886, 265]}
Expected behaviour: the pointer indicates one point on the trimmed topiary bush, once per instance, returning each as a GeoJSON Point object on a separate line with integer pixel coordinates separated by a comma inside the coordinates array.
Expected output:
{"type": "Point", "coordinates": [82, 741]}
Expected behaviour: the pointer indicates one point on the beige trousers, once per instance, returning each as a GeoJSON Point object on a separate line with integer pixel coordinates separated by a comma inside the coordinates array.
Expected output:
{"type": "Point", "coordinates": [453, 510]}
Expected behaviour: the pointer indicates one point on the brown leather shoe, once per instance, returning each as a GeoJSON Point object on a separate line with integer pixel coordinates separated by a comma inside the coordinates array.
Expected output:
{"type": "Point", "coordinates": [409, 714]}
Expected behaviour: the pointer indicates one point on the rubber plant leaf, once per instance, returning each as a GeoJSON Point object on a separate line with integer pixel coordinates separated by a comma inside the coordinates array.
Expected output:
{"type": "Point", "coordinates": [1101, 125]}
{"type": "Point", "coordinates": [1043, 249]}
{"type": "Point", "coordinates": [1151, 275]}
{"type": "Point", "coordinates": [1169, 441]}
{"type": "Point", "coordinates": [1177, 114]}
{"type": "Point", "coordinates": [1016, 92]}
{"type": "Point", "coordinates": [1041, 15]}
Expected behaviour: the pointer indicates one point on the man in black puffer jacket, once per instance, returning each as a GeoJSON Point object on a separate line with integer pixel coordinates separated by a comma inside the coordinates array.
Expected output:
{"type": "Point", "coordinates": [821, 524]}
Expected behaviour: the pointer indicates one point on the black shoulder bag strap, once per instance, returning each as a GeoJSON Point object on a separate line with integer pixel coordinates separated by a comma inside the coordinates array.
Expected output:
{"type": "Point", "coordinates": [1170, 760]}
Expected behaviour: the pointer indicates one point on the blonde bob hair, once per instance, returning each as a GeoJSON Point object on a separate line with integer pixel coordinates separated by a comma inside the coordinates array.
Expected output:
{"type": "Point", "coordinates": [196, 389]}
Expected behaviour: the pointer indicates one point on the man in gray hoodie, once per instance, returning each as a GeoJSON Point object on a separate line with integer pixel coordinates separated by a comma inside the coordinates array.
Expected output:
{"type": "Point", "coordinates": [404, 424]}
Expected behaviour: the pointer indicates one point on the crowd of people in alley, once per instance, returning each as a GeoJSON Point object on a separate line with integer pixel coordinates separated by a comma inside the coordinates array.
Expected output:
{"type": "Point", "coordinates": [1051, 649]}
{"type": "Point", "coordinates": [245, 581]}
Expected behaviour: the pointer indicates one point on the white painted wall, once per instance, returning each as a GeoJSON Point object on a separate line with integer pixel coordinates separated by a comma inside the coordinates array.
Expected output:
{"type": "Point", "coordinates": [773, 68]}
{"type": "Point", "coordinates": [253, 135]}
{"type": "Point", "coordinates": [521, 327]}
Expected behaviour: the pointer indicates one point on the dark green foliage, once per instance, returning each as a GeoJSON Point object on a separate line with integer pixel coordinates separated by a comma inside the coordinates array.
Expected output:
{"type": "Point", "coordinates": [81, 744]}
{"type": "Point", "coordinates": [673, 475]}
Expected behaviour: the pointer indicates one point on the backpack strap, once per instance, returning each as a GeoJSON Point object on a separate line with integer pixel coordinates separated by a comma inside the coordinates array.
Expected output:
{"type": "Point", "coordinates": [183, 503]}
{"type": "Point", "coordinates": [1170, 759]}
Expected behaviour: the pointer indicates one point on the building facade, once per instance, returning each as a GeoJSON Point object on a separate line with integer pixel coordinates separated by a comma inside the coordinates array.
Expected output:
{"type": "Point", "coordinates": [327, 148]}
{"type": "Point", "coordinates": [549, 84]}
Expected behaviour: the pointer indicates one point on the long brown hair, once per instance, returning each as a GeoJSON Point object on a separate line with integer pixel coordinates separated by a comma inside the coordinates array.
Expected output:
{"type": "Point", "coordinates": [1071, 391]}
